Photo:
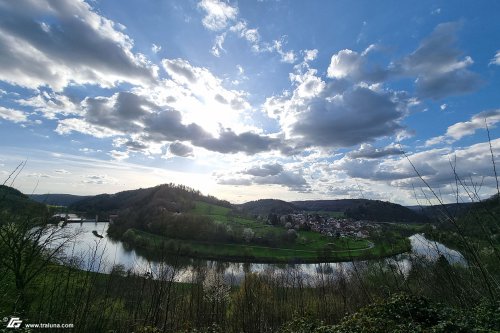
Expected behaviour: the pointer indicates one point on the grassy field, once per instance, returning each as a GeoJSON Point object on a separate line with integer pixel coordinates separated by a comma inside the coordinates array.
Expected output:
{"type": "Point", "coordinates": [225, 215]}
{"type": "Point", "coordinates": [256, 253]}
{"type": "Point", "coordinates": [309, 246]}
{"type": "Point", "coordinates": [306, 240]}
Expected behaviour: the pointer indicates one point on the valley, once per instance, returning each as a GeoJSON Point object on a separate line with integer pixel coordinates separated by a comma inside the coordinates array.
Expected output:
{"type": "Point", "coordinates": [178, 220]}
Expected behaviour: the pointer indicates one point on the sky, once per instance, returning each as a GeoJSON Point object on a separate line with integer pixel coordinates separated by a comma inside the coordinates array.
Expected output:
{"type": "Point", "coordinates": [252, 99]}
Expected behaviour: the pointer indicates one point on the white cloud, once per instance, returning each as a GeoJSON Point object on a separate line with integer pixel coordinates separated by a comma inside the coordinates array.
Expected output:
{"type": "Point", "coordinates": [51, 105]}
{"type": "Point", "coordinates": [252, 35]}
{"type": "Point", "coordinates": [318, 113]}
{"type": "Point", "coordinates": [437, 65]}
{"type": "Point", "coordinates": [459, 130]}
{"type": "Point", "coordinates": [15, 116]}
{"type": "Point", "coordinates": [350, 65]}
{"type": "Point", "coordinates": [310, 55]}
{"type": "Point", "coordinates": [241, 71]}
{"type": "Point", "coordinates": [62, 171]}
{"type": "Point", "coordinates": [343, 63]}
{"type": "Point", "coordinates": [478, 121]}
{"type": "Point", "coordinates": [68, 125]}
{"type": "Point", "coordinates": [99, 179]}
{"type": "Point", "coordinates": [217, 47]}
{"type": "Point", "coordinates": [496, 59]}
{"type": "Point", "coordinates": [286, 56]}
{"type": "Point", "coordinates": [39, 175]}
{"type": "Point", "coordinates": [217, 14]}
{"type": "Point", "coordinates": [266, 174]}
{"type": "Point", "coordinates": [433, 165]}
{"type": "Point", "coordinates": [155, 48]}
{"type": "Point", "coordinates": [89, 150]}
{"type": "Point", "coordinates": [437, 140]}
{"type": "Point", "coordinates": [366, 150]}
{"type": "Point", "coordinates": [72, 44]}
{"type": "Point", "coordinates": [119, 155]}
{"type": "Point", "coordinates": [308, 84]}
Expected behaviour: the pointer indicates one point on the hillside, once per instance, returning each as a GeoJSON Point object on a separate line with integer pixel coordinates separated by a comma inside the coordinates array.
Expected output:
{"type": "Point", "coordinates": [339, 205]}
{"type": "Point", "coordinates": [14, 202]}
{"type": "Point", "coordinates": [169, 197]}
{"type": "Point", "coordinates": [363, 209]}
{"type": "Point", "coordinates": [481, 220]}
{"type": "Point", "coordinates": [264, 207]}
{"type": "Point", "coordinates": [383, 211]}
{"type": "Point", "coordinates": [58, 199]}
{"type": "Point", "coordinates": [437, 212]}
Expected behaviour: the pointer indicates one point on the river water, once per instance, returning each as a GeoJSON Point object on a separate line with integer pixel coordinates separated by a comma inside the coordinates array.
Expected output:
{"type": "Point", "coordinates": [100, 254]}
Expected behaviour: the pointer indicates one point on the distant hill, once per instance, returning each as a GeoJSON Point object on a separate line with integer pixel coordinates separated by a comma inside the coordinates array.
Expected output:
{"type": "Point", "coordinates": [359, 209]}
{"type": "Point", "coordinates": [479, 224]}
{"type": "Point", "coordinates": [438, 211]}
{"type": "Point", "coordinates": [482, 218]}
{"type": "Point", "coordinates": [268, 206]}
{"type": "Point", "coordinates": [58, 199]}
{"type": "Point", "coordinates": [339, 205]}
{"type": "Point", "coordinates": [14, 202]}
{"type": "Point", "coordinates": [169, 197]}
{"type": "Point", "coordinates": [364, 209]}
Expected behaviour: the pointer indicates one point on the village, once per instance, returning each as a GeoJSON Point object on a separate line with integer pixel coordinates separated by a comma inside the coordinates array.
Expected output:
{"type": "Point", "coordinates": [328, 225]}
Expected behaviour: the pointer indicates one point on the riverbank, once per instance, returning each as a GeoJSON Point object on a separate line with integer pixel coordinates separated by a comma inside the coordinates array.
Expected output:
{"type": "Point", "coordinates": [155, 246]}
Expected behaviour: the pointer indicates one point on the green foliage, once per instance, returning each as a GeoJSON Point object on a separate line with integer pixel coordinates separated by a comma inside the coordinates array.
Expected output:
{"type": "Point", "coordinates": [251, 306]}
{"type": "Point", "coordinates": [405, 313]}
{"type": "Point", "coordinates": [303, 325]}
{"type": "Point", "coordinates": [142, 202]}
{"type": "Point", "coordinates": [382, 211]}
{"type": "Point", "coordinates": [486, 316]}
{"type": "Point", "coordinates": [61, 200]}
{"type": "Point", "coordinates": [14, 202]}
{"type": "Point", "coordinates": [264, 207]}
{"type": "Point", "coordinates": [363, 209]}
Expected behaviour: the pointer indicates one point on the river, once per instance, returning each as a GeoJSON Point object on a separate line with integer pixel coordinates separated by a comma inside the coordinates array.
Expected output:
{"type": "Point", "coordinates": [100, 254]}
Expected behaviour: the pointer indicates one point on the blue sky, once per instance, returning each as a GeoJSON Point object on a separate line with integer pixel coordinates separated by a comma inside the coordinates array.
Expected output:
{"type": "Point", "coordinates": [251, 99]}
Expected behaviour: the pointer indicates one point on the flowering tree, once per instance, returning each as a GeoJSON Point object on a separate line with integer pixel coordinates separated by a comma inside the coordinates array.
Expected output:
{"type": "Point", "coordinates": [248, 234]}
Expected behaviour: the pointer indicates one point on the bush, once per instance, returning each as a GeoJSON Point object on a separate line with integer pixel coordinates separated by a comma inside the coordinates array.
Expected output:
{"type": "Point", "coordinates": [406, 313]}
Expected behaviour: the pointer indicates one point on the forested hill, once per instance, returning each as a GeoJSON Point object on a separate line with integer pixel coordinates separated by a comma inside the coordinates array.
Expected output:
{"type": "Point", "coordinates": [338, 205]}
{"type": "Point", "coordinates": [363, 209]}
{"type": "Point", "coordinates": [268, 206]}
{"type": "Point", "coordinates": [437, 212]}
{"type": "Point", "coordinates": [358, 209]}
{"type": "Point", "coordinates": [14, 202]}
{"type": "Point", "coordinates": [482, 219]}
{"type": "Point", "coordinates": [169, 197]}
{"type": "Point", "coordinates": [57, 199]}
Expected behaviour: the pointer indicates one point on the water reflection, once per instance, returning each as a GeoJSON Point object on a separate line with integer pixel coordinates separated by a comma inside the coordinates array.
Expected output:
{"type": "Point", "coordinates": [432, 250]}
{"type": "Point", "coordinates": [101, 254]}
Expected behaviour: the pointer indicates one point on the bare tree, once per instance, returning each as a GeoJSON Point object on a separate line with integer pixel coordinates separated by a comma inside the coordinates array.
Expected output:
{"type": "Point", "coordinates": [28, 246]}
